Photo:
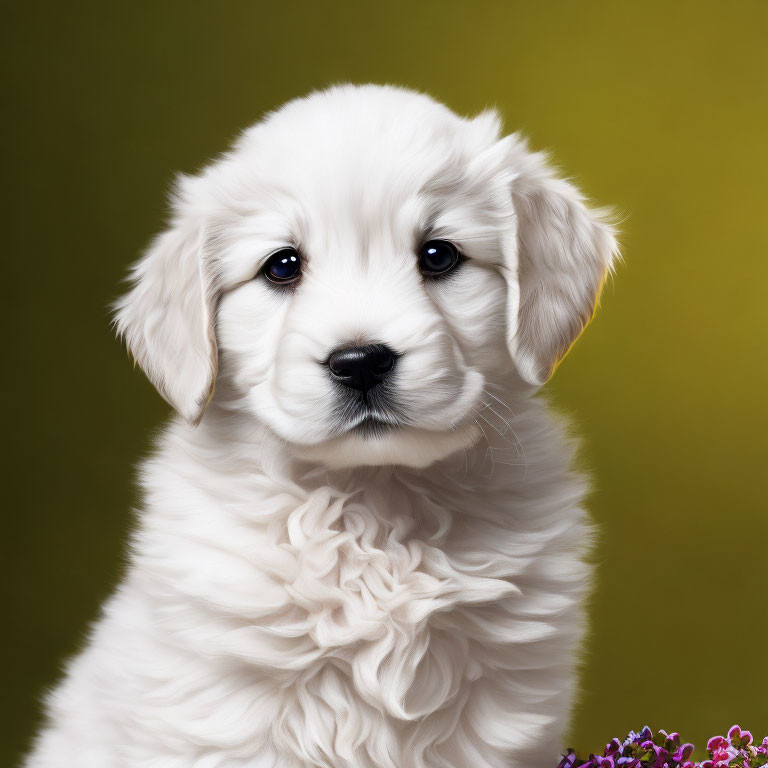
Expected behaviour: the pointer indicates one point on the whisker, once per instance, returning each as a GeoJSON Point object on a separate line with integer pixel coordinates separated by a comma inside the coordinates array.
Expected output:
{"type": "Point", "coordinates": [491, 424]}
{"type": "Point", "coordinates": [518, 442]}
{"type": "Point", "coordinates": [489, 449]}
{"type": "Point", "coordinates": [499, 401]}
{"type": "Point", "coordinates": [510, 428]}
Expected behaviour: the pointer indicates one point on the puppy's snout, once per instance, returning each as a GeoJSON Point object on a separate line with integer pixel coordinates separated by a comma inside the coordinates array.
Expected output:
{"type": "Point", "coordinates": [363, 367]}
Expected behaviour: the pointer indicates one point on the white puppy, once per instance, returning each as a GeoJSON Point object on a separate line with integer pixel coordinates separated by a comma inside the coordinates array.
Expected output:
{"type": "Point", "coordinates": [362, 545]}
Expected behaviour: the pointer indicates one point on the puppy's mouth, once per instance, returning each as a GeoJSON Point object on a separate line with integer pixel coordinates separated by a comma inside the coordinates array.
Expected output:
{"type": "Point", "coordinates": [373, 441]}
{"type": "Point", "coordinates": [373, 426]}
{"type": "Point", "coordinates": [382, 430]}
{"type": "Point", "coordinates": [372, 414]}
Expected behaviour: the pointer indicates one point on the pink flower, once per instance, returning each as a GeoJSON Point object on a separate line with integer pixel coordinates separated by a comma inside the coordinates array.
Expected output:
{"type": "Point", "coordinates": [716, 742]}
{"type": "Point", "coordinates": [723, 756]}
{"type": "Point", "coordinates": [739, 738]}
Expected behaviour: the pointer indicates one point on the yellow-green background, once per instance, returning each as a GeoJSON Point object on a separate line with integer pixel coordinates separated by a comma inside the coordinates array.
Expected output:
{"type": "Point", "coordinates": [660, 108]}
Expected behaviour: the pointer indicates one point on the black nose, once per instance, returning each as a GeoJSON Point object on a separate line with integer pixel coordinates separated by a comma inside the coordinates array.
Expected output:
{"type": "Point", "coordinates": [362, 367]}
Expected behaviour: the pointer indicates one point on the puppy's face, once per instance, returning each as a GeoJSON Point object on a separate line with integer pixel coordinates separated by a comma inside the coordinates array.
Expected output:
{"type": "Point", "coordinates": [358, 271]}
{"type": "Point", "coordinates": [361, 306]}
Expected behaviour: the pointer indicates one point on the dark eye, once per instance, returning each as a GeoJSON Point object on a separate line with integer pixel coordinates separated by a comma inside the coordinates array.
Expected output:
{"type": "Point", "coordinates": [436, 257]}
{"type": "Point", "coordinates": [283, 267]}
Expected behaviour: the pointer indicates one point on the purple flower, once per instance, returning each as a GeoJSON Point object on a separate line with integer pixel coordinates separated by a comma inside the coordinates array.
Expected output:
{"type": "Point", "coordinates": [683, 753]}
{"type": "Point", "coordinates": [613, 747]}
{"type": "Point", "coordinates": [644, 749]}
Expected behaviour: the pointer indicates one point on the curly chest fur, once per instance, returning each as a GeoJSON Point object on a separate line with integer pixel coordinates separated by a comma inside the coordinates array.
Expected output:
{"type": "Point", "coordinates": [384, 619]}
{"type": "Point", "coordinates": [382, 598]}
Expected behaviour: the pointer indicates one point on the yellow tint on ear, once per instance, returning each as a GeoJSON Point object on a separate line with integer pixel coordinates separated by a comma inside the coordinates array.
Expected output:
{"type": "Point", "coordinates": [595, 307]}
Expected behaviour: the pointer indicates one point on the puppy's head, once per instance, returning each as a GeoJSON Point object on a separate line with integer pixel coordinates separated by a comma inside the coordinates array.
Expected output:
{"type": "Point", "coordinates": [358, 270]}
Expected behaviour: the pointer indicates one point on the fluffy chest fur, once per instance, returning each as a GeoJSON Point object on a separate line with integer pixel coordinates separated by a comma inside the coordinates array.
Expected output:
{"type": "Point", "coordinates": [379, 617]}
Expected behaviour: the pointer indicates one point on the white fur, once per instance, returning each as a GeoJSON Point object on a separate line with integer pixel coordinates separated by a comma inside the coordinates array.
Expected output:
{"type": "Point", "coordinates": [297, 596]}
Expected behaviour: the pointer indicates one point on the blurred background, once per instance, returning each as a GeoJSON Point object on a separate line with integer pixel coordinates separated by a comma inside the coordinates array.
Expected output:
{"type": "Point", "coordinates": [657, 108]}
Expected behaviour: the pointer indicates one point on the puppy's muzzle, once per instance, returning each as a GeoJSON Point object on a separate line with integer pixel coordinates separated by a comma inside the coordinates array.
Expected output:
{"type": "Point", "coordinates": [362, 368]}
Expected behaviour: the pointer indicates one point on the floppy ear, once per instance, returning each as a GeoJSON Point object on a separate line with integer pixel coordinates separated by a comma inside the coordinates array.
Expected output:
{"type": "Point", "coordinates": [564, 252]}
{"type": "Point", "coordinates": [166, 319]}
